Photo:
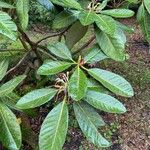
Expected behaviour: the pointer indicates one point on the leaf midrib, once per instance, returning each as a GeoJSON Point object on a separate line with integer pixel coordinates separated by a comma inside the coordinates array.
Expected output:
{"type": "Point", "coordinates": [87, 116]}
{"type": "Point", "coordinates": [103, 22]}
{"type": "Point", "coordinates": [109, 84]}
{"type": "Point", "coordinates": [58, 125]}
{"type": "Point", "coordinates": [10, 88]}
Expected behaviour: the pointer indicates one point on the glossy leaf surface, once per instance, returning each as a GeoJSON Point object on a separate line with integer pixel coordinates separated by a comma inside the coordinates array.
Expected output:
{"type": "Point", "coordinates": [67, 3]}
{"type": "Point", "coordinates": [61, 50]}
{"type": "Point", "coordinates": [89, 126]}
{"type": "Point", "coordinates": [106, 24]}
{"type": "Point", "coordinates": [86, 17]}
{"type": "Point", "coordinates": [64, 19]}
{"type": "Point", "coordinates": [9, 86]}
{"type": "Point", "coordinates": [7, 26]}
{"type": "Point", "coordinates": [77, 85]}
{"type": "Point", "coordinates": [114, 46]}
{"type": "Point", "coordinates": [147, 5]}
{"type": "Point", "coordinates": [112, 81]}
{"type": "Point", "coordinates": [54, 128]}
{"type": "Point", "coordinates": [53, 67]}
{"type": "Point", "coordinates": [10, 129]}
{"type": "Point", "coordinates": [118, 13]}
{"type": "Point", "coordinates": [22, 7]}
{"type": "Point", "coordinates": [95, 54]}
{"type": "Point", "coordinates": [36, 98]}
{"type": "Point", "coordinates": [3, 68]}
{"type": "Point", "coordinates": [104, 102]}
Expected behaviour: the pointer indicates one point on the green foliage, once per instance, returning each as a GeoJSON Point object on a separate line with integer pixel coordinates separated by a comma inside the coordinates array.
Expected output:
{"type": "Point", "coordinates": [9, 86]}
{"type": "Point", "coordinates": [64, 19]}
{"type": "Point", "coordinates": [41, 11]}
{"type": "Point", "coordinates": [143, 17]}
{"type": "Point", "coordinates": [95, 54]}
{"type": "Point", "coordinates": [104, 102]}
{"type": "Point", "coordinates": [88, 125]}
{"type": "Point", "coordinates": [22, 7]}
{"type": "Point", "coordinates": [77, 85]}
{"type": "Point", "coordinates": [10, 129]}
{"type": "Point", "coordinates": [6, 5]}
{"type": "Point", "coordinates": [9, 126]}
{"type": "Point", "coordinates": [67, 3]}
{"type": "Point", "coordinates": [118, 13]}
{"type": "Point", "coordinates": [36, 98]}
{"type": "Point", "coordinates": [56, 49]}
{"type": "Point", "coordinates": [55, 136]}
{"type": "Point", "coordinates": [112, 46]}
{"type": "Point", "coordinates": [113, 82]}
{"type": "Point", "coordinates": [7, 26]}
{"type": "Point", "coordinates": [53, 67]}
{"type": "Point", "coordinates": [70, 80]}
{"type": "Point", "coordinates": [3, 68]}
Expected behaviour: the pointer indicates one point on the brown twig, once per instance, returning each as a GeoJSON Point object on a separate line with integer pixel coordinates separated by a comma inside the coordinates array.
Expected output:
{"type": "Point", "coordinates": [25, 37]}
{"type": "Point", "coordinates": [24, 44]}
{"type": "Point", "coordinates": [53, 35]}
{"type": "Point", "coordinates": [48, 54]}
{"type": "Point", "coordinates": [18, 64]}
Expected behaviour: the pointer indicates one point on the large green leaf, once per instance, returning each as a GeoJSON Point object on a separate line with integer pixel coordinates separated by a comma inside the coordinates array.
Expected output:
{"type": "Point", "coordinates": [54, 128]}
{"type": "Point", "coordinates": [112, 81]}
{"type": "Point", "coordinates": [75, 34]}
{"type": "Point", "coordinates": [89, 125]}
{"type": "Point", "coordinates": [94, 85]}
{"type": "Point", "coordinates": [61, 50]}
{"type": "Point", "coordinates": [77, 85]}
{"type": "Point", "coordinates": [143, 18]}
{"type": "Point", "coordinates": [146, 26]}
{"type": "Point", "coordinates": [94, 55]}
{"type": "Point", "coordinates": [118, 13]}
{"type": "Point", "coordinates": [53, 67]}
{"type": "Point", "coordinates": [140, 13]}
{"type": "Point", "coordinates": [7, 26]}
{"type": "Point", "coordinates": [65, 18]}
{"type": "Point", "coordinates": [9, 86]}
{"type": "Point", "coordinates": [10, 100]}
{"type": "Point", "coordinates": [106, 24]}
{"type": "Point", "coordinates": [36, 98]}
{"type": "Point", "coordinates": [92, 114]}
{"type": "Point", "coordinates": [3, 68]}
{"type": "Point", "coordinates": [22, 7]}
{"type": "Point", "coordinates": [147, 5]}
{"type": "Point", "coordinates": [124, 27]}
{"type": "Point", "coordinates": [86, 17]}
{"type": "Point", "coordinates": [5, 5]}
{"type": "Point", "coordinates": [104, 102]}
{"type": "Point", "coordinates": [114, 46]}
{"type": "Point", "coordinates": [10, 130]}
{"type": "Point", "coordinates": [67, 3]}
